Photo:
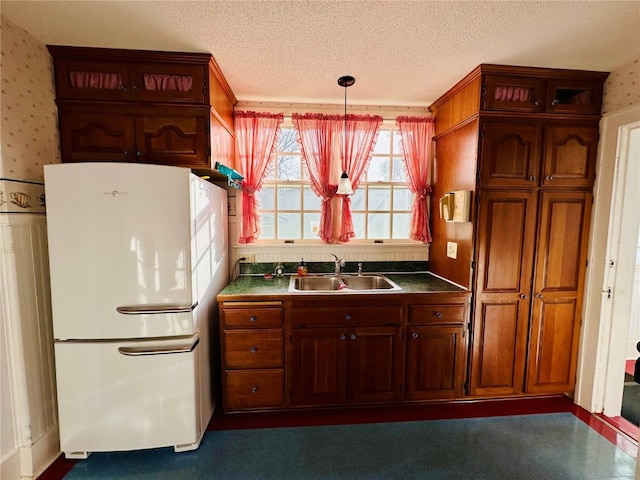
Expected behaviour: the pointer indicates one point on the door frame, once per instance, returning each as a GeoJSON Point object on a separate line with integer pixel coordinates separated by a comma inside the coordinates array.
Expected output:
{"type": "Point", "coordinates": [598, 362]}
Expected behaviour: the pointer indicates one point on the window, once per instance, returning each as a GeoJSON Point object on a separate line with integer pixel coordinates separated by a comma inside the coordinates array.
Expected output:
{"type": "Point", "coordinates": [380, 207]}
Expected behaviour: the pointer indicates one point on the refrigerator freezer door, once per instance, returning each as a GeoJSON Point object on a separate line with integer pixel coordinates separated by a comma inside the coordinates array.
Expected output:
{"type": "Point", "coordinates": [120, 235]}
{"type": "Point", "coordinates": [118, 396]}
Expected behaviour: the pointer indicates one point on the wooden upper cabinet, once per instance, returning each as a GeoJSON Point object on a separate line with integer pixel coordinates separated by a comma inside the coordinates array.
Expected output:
{"type": "Point", "coordinates": [530, 90]}
{"type": "Point", "coordinates": [129, 77]}
{"type": "Point", "coordinates": [514, 93]}
{"type": "Point", "coordinates": [510, 154]}
{"type": "Point", "coordinates": [575, 96]}
{"type": "Point", "coordinates": [569, 156]}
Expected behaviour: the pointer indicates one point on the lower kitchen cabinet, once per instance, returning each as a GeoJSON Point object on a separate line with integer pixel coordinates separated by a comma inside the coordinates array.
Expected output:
{"type": "Point", "coordinates": [335, 365]}
{"type": "Point", "coordinates": [252, 355]}
{"type": "Point", "coordinates": [356, 357]}
{"type": "Point", "coordinates": [436, 349]}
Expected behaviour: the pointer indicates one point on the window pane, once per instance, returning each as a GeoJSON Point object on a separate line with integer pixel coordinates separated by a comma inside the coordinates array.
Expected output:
{"type": "Point", "coordinates": [287, 141]}
{"type": "Point", "coordinates": [401, 225]}
{"type": "Point", "coordinates": [379, 198]}
{"type": "Point", "coordinates": [267, 230]}
{"type": "Point", "coordinates": [289, 168]}
{"type": "Point", "coordinates": [397, 148]}
{"type": "Point", "coordinates": [270, 172]}
{"type": "Point", "coordinates": [311, 200]}
{"type": "Point", "coordinates": [266, 198]}
{"type": "Point", "coordinates": [289, 225]}
{"type": "Point", "coordinates": [358, 224]}
{"type": "Point", "coordinates": [383, 145]}
{"type": "Point", "coordinates": [378, 170]}
{"type": "Point", "coordinates": [399, 173]}
{"type": "Point", "coordinates": [402, 197]}
{"type": "Point", "coordinates": [311, 225]}
{"type": "Point", "coordinates": [378, 226]}
{"type": "Point", "coordinates": [357, 199]}
{"type": "Point", "coordinates": [289, 197]}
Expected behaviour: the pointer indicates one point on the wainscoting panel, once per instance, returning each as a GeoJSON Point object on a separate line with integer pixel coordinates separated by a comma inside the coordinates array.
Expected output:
{"type": "Point", "coordinates": [28, 398]}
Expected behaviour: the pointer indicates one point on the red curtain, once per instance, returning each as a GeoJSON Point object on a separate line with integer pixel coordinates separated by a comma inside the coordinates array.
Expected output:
{"type": "Point", "coordinates": [416, 135]}
{"type": "Point", "coordinates": [361, 135]}
{"type": "Point", "coordinates": [317, 134]}
{"type": "Point", "coordinates": [256, 139]}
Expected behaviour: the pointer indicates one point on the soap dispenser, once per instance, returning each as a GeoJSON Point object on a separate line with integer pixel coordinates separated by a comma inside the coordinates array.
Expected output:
{"type": "Point", "coordinates": [302, 268]}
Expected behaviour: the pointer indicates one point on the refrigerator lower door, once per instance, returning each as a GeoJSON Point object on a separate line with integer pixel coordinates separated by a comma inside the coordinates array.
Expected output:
{"type": "Point", "coordinates": [130, 395]}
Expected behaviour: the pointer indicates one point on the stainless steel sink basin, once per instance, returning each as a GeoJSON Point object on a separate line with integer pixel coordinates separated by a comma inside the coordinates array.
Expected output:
{"type": "Point", "coordinates": [343, 283]}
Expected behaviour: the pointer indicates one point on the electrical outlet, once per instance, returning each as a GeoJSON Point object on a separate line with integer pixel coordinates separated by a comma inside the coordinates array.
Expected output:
{"type": "Point", "coordinates": [452, 250]}
{"type": "Point", "coordinates": [249, 258]}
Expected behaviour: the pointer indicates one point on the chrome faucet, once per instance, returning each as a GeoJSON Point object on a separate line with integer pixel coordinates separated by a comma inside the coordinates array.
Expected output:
{"type": "Point", "coordinates": [339, 262]}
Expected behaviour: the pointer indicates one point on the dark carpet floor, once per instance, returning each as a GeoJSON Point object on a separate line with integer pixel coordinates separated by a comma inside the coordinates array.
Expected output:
{"type": "Point", "coordinates": [524, 447]}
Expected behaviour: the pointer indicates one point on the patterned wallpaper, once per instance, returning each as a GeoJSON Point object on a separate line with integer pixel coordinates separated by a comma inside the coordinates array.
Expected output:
{"type": "Point", "coordinates": [622, 87]}
{"type": "Point", "coordinates": [29, 116]}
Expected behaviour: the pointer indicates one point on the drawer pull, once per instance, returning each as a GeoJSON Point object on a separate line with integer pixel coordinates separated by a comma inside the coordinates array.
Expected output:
{"type": "Point", "coordinates": [438, 314]}
{"type": "Point", "coordinates": [415, 335]}
{"type": "Point", "coordinates": [253, 349]}
{"type": "Point", "coordinates": [252, 318]}
{"type": "Point", "coordinates": [343, 336]}
{"type": "Point", "coordinates": [254, 390]}
{"type": "Point", "coordinates": [353, 336]}
{"type": "Point", "coordinates": [347, 317]}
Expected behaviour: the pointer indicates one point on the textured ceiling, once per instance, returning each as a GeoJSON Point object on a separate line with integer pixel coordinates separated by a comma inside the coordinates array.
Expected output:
{"type": "Point", "coordinates": [402, 53]}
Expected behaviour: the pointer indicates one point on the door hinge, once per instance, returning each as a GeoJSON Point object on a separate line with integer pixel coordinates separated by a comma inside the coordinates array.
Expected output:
{"type": "Point", "coordinates": [608, 292]}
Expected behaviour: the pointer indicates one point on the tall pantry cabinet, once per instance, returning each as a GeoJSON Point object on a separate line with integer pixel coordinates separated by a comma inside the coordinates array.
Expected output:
{"type": "Point", "coordinates": [530, 136]}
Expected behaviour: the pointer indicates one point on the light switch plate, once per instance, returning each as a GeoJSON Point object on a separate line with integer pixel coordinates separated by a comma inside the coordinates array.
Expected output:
{"type": "Point", "coordinates": [452, 250]}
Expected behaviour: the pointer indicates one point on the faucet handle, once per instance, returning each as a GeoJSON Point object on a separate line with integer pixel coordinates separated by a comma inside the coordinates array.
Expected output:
{"type": "Point", "coordinates": [359, 268]}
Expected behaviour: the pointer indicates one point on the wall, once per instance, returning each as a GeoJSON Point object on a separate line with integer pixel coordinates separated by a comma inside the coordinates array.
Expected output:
{"type": "Point", "coordinates": [28, 422]}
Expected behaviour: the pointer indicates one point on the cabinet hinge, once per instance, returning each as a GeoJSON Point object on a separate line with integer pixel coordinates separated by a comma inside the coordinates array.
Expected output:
{"type": "Point", "coordinates": [473, 264]}
{"type": "Point", "coordinates": [478, 194]}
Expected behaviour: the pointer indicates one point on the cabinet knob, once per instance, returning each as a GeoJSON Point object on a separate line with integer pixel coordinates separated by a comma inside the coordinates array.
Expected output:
{"type": "Point", "coordinates": [539, 295]}
{"type": "Point", "coordinates": [438, 314]}
{"type": "Point", "coordinates": [523, 296]}
{"type": "Point", "coordinates": [353, 336]}
{"type": "Point", "coordinates": [347, 317]}
{"type": "Point", "coordinates": [343, 336]}
{"type": "Point", "coordinates": [549, 177]}
{"type": "Point", "coordinates": [253, 349]}
{"type": "Point", "coordinates": [252, 318]}
{"type": "Point", "coordinates": [126, 154]}
{"type": "Point", "coordinates": [538, 102]}
{"type": "Point", "coordinates": [136, 88]}
{"type": "Point", "coordinates": [254, 390]}
{"type": "Point", "coordinates": [139, 154]}
{"type": "Point", "coordinates": [122, 87]}
{"type": "Point", "coordinates": [414, 335]}
{"type": "Point", "coordinates": [555, 101]}
{"type": "Point", "coordinates": [533, 178]}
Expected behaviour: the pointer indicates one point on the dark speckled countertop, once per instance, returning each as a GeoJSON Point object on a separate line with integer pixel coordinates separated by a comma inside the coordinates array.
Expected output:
{"type": "Point", "coordinates": [413, 282]}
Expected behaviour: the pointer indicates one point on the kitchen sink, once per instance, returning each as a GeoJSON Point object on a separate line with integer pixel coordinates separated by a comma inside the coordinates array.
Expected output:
{"type": "Point", "coordinates": [342, 283]}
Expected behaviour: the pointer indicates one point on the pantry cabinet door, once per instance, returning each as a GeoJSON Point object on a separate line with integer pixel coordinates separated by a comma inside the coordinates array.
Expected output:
{"type": "Point", "coordinates": [505, 245]}
{"type": "Point", "coordinates": [558, 287]}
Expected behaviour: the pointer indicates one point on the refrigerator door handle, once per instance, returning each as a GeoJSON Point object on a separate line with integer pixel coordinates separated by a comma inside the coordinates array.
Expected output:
{"type": "Point", "coordinates": [140, 351]}
{"type": "Point", "coordinates": [155, 309]}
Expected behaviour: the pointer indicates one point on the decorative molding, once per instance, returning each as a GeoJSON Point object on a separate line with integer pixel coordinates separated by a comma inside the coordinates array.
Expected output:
{"type": "Point", "coordinates": [19, 196]}
{"type": "Point", "coordinates": [387, 112]}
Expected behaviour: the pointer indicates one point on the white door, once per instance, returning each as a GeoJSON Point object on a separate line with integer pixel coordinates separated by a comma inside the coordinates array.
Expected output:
{"type": "Point", "coordinates": [618, 288]}
{"type": "Point", "coordinates": [119, 236]}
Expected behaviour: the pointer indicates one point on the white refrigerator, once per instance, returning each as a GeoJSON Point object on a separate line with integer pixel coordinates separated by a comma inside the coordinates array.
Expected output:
{"type": "Point", "coordinates": [137, 255]}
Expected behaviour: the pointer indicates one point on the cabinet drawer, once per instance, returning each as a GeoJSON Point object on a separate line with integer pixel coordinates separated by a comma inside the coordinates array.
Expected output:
{"type": "Point", "coordinates": [345, 316]}
{"type": "Point", "coordinates": [252, 317]}
{"type": "Point", "coordinates": [253, 348]}
{"type": "Point", "coordinates": [436, 314]}
{"type": "Point", "coordinates": [247, 389]}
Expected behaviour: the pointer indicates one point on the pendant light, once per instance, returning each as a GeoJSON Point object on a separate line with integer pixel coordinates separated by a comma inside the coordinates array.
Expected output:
{"type": "Point", "coordinates": [344, 185]}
